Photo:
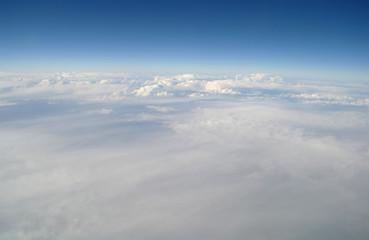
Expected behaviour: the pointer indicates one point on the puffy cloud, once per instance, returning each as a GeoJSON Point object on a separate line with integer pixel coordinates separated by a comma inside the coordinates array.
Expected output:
{"type": "Point", "coordinates": [316, 98]}
{"type": "Point", "coordinates": [146, 90]}
{"type": "Point", "coordinates": [118, 87]}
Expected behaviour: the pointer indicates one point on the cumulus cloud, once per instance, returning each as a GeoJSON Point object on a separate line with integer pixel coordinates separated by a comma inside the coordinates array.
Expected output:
{"type": "Point", "coordinates": [117, 156]}
{"type": "Point", "coordinates": [330, 99]}
{"type": "Point", "coordinates": [106, 87]}
{"type": "Point", "coordinates": [98, 86]}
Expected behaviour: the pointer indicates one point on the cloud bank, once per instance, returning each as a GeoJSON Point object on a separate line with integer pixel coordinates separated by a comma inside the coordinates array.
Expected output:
{"type": "Point", "coordinates": [118, 156]}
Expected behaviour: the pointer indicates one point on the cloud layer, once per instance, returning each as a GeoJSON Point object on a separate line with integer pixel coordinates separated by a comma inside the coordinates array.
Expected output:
{"type": "Point", "coordinates": [117, 156]}
{"type": "Point", "coordinates": [108, 87]}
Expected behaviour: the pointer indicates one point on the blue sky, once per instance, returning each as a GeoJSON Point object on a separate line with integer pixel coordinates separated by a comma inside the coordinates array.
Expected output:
{"type": "Point", "coordinates": [181, 120]}
{"type": "Point", "coordinates": [287, 37]}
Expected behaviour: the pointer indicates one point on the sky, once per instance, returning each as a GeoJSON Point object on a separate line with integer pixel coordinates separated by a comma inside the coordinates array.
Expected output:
{"type": "Point", "coordinates": [209, 120]}
{"type": "Point", "coordinates": [305, 38]}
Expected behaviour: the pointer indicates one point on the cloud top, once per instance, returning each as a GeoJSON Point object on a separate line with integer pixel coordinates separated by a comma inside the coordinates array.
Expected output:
{"type": "Point", "coordinates": [118, 156]}
{"type": "Point", "coordinates": [107, 87]}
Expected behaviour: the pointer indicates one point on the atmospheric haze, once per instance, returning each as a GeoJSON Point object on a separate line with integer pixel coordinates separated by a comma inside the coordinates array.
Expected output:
{"type": "Point", "coordinates": [119, 156]}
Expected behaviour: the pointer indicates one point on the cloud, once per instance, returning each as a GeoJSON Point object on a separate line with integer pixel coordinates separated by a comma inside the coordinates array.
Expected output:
{"type": "Point", "coordinates": [106, 87]}
{"type": "Point", "coordinates": [6, 104]}
{"type": "Point", "coordinates": [159, 108]}
{"type": "Point", "coordinates": [99, 111]}
{"type": "Point", "coordinates": [102, 156]}
{"type": "Point", "coordinates": [316, 98]}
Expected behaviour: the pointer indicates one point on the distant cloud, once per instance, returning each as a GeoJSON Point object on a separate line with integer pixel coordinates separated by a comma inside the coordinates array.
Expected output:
{"type": "Point", "coordinates": [117, 87]}
{"type": "Point", "coordinates": [106, 87]}
{"type": "Point", "coordinates": [317, 98]}
{"type": "Point", "coordinates": [99, 111]}
{"type": "Point", "coordinates": [6, 104]}
{"type": "Point", "coordinates": [159, 109]}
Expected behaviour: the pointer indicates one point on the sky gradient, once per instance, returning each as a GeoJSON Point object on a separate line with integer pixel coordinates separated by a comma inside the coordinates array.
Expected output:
{"type": "Point", "coordinates": [181, 120]}
{"type": "Point", "coordinates": [285, 37]}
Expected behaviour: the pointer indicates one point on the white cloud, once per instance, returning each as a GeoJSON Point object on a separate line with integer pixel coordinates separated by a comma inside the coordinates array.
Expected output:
{"type": "Point", "coordinates": [2, 104]}
{"type": "Point", "coordinates": [100, 111]}
{"type": "Point", "coordinates": [146, 90]}
{"type": "Point", "coordinates": [118, 87]}
{"type": "Point", "coordinates": [159, 108]}
{"type": "Point", "coordinates": [316, 98]}
{"type": "Point", "coordinates": [102, 156]}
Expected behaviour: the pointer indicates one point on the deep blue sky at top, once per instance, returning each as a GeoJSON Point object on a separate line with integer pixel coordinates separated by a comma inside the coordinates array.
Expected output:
{"type": "Point", "coordinates": [66, 35]}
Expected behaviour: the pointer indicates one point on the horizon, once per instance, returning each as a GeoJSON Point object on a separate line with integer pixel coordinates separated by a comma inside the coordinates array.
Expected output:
{"type": "Point", "coordinates": [327, 38]}
{"type": "Point", "coordinates": [204, 120]}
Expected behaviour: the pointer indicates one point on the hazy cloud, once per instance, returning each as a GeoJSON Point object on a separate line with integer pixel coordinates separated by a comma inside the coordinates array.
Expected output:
{"type": "Point", "coordinates": [117, 156]}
